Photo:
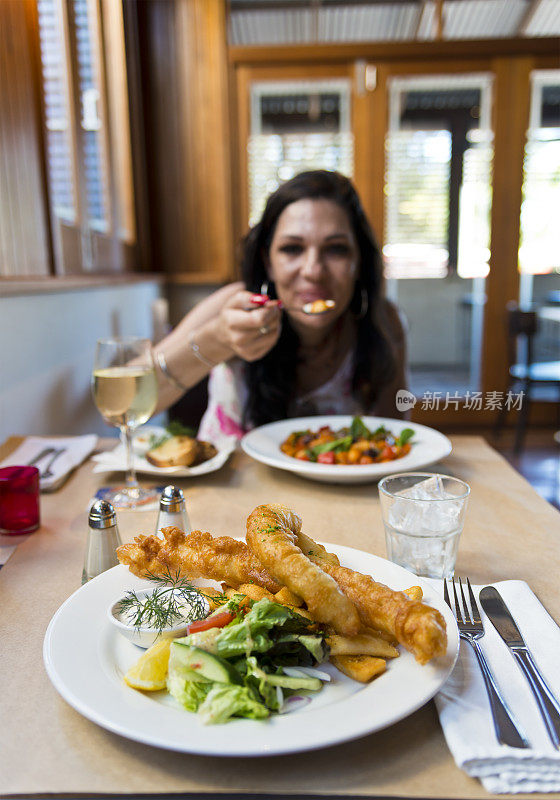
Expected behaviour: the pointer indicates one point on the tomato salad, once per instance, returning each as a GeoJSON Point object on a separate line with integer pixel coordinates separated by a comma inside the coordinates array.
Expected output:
{"type": "Point", "coordinates": [353, 445]}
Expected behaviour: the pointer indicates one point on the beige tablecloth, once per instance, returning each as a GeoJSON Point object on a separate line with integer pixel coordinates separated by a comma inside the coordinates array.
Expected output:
{"type": "Point", "coordinates": [47, 747]}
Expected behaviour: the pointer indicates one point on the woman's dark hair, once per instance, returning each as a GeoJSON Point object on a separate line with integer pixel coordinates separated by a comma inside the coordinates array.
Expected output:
{"type": "Point", "coordinates": [271, 381]}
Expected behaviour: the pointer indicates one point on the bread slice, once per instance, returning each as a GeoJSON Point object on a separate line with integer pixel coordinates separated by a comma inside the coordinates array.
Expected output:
{"type": "Point", "coordinates": [206, 451]}
{"type": "Point", "coordinates": [178, 451]}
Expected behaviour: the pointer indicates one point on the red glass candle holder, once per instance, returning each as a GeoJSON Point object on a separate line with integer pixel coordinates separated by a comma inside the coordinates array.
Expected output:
{"type": "Point", "coordinates": [19, 500]}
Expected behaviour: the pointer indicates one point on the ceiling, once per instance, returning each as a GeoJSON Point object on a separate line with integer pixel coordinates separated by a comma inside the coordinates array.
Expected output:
{"type": "Point", "coordinates": [255, 22]}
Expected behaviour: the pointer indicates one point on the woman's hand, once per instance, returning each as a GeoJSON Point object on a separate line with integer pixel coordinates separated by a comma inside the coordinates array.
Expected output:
{"type": "Point", "coordinates": [250, 331]}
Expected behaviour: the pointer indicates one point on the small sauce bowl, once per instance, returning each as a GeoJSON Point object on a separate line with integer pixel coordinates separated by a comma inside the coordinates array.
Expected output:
{"type": "Point", "coordinates": [146, 636]}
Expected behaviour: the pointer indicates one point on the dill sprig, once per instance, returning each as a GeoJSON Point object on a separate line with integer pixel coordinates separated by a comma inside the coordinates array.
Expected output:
{"type": "Point", "coordinates": [162, 607]}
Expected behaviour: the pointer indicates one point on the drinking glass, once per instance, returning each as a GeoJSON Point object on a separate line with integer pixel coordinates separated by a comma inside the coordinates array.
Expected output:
{"type": "Point", "coordinates": [124, 387]}
{"type": "Point", "coordinates": [423, 515]}
{"type": "Point", "coordinates": [19, 500]}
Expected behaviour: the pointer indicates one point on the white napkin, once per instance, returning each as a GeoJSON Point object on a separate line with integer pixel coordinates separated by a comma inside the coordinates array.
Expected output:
{"type": "Point", "coordinates": [464, 711]}
{"type": "Point", "coordinates": [76, 449]}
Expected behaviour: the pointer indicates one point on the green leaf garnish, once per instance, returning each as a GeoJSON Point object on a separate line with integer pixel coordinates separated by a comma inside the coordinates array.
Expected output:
{"type": "Point", "coordinates": [162, 607]}
{"type": "Point", "coordinates": [405, 435]}
{"type": "Point", "coordinates": [379, 433]}
{"type": "Point", "coordinates": [359, 430]}
{"type": "Point", "coordinates": [176, 428]}
{"type": "Point", "coordinates": [338, 445]}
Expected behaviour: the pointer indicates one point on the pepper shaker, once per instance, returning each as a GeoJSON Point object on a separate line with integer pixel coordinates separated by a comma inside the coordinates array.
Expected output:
{"type": "Point", "coordinates": [172, 511]}
{"type": "Point", "coordinates": [102, 542]}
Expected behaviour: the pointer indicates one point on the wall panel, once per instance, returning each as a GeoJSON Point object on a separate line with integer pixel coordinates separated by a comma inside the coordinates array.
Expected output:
{"type": "Point", "coordinates": [24, 237]}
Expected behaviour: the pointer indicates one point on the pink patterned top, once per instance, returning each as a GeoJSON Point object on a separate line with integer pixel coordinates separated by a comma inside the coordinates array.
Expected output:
{"type": "Point", "coordinates": [227, 393]}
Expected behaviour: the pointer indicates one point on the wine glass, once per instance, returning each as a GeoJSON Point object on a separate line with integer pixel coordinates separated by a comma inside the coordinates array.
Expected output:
{"type": "Point", "coordinates": [124, 387]}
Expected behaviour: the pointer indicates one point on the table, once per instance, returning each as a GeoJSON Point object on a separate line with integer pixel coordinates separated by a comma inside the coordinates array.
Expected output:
{"type": "Point", "coordinates": [47, 747]}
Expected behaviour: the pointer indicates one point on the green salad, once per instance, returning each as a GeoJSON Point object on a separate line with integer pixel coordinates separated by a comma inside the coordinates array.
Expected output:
{"type": "Point", "coordinates": [253, 667]}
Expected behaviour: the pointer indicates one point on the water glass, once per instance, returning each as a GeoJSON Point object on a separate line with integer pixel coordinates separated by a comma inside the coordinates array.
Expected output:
{"type": "Point", "coordinates": [19, 500]}
{"type": "Point", "coordinates": [423, 515]}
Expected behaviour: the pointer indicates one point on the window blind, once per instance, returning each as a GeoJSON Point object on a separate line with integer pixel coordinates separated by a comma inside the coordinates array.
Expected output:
{"type": "Point", "coordinates": [417, 203]}
{"type": "Point", "coordinates": [92, 141]}
{"type": "Point", "coordinates": [539, 251]}
{"type": "Point", "coordinates": [58, 139]}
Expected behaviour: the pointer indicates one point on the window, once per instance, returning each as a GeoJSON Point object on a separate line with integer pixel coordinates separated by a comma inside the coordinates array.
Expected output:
{"type": "Point", "coordinates": [539, 252]}
{"type": "Point", "coordinates": [438, 179]}
{"type": "Point", "coordinates": [437, 224]}
{"type": "Point", "coordinates": [90, 182]}
{"type": "Point", "coordinates": [295, 126]}
{"type": "Point", "coordinates": [57, 114]}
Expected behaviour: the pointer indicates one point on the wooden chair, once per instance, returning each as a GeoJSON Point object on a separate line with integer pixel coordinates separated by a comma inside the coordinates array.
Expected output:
{"type": "Point", "coordinates": [525, 375]}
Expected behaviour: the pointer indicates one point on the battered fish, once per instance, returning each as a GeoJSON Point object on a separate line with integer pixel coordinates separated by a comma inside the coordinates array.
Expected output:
{"type": "Point", "coordinates": [196, 555]}
{"type": "Point", "coordinates": [272, 532]}
{"type": "Point", "coordinates": [416, 625]}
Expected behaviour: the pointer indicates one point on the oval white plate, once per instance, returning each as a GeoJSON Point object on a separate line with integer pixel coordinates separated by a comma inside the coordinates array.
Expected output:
{"type": "Point", "coordinates": [86, 664]}
{"type": "Point", "coordinates": [115, 461]}
{"type": "Point", "coordinates": [263, 444]}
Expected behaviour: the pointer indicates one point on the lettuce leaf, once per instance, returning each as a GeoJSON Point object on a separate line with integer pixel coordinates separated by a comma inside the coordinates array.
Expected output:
{"type": "Point", "coordinates": [251, 634]}
{"type": "Point", "coordinates": [224, 701]}
{"type": "Point", "coordinates": [191, 694]}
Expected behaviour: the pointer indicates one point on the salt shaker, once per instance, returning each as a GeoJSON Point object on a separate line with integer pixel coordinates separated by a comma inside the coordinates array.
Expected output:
{"type": "Point", "coordinates": [172, 511]}
{"type": "Point", "coordinates": [102, 542]}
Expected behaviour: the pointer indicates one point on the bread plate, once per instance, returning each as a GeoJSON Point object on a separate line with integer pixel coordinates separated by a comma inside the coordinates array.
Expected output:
{"type": "Point", "coordinates": [263, 444]}
{"type": "Point", "coordinates": [115, 461]}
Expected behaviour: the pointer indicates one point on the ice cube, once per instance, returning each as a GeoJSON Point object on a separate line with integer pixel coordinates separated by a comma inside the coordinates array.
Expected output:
{"type": "Point", "coordinates": [430, 489]}
{"type": "Point", "coordinates": [417, 510]}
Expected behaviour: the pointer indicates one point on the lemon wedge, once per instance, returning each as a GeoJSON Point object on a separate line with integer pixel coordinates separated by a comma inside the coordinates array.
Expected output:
{"type": "Point", "coordinates": [150, 671]}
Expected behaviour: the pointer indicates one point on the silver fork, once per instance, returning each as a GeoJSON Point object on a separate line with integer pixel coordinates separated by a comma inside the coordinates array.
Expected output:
{"type": "Point", "coordinates": [40, 456]}
{"type": "Point", "coordinates": [48, 473]}
{"type": "Point", "coordinates": [470, 629]}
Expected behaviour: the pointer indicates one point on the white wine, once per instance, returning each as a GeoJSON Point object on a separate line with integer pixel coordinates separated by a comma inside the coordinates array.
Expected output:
{"type": "Point", "coordinates": [125, 395]}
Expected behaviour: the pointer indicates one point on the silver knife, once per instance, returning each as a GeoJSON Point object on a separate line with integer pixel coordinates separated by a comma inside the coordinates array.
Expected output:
{"type": "Point", "coordinates": [500, 616]}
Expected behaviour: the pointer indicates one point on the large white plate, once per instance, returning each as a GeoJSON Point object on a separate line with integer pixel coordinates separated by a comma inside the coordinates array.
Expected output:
{"type": "Point", "coordinates": [263, 444]}
{"type": "Point", "coordinates": [86, 659]}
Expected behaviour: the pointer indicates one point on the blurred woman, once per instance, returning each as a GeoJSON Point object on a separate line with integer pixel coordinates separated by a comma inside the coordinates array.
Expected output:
{"type": "Point", "coordinates": [268, 359]}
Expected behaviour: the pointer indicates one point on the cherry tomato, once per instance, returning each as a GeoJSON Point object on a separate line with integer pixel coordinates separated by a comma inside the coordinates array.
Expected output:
{"type": "Point", "coordinates": [326, 458]}
{"type": "Point", "coordinates": [387, 453]}
{"type": "Point", "coordinates": [217, 621]}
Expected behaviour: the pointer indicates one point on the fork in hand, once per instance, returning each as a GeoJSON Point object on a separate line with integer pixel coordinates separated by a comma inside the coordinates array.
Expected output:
{"type": "Point", "coordinates": [470, 629]}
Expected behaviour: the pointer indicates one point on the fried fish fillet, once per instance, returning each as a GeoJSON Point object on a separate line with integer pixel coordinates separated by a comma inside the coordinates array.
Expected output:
{"type": "Point", "coordinates": [195, 555]}
{"type": "Point", "coordinates": [416, 625]}
{"type": "Point", "coordinates": [272, 532]}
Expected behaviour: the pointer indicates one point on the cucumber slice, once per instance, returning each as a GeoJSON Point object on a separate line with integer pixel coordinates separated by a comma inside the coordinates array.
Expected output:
{"type": "Point", "coordinates": [286, 682]}
{"type": "Point", "coordinates": [203, 664]}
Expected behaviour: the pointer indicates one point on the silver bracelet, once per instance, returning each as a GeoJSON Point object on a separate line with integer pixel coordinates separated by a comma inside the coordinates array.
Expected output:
{"type": "Point", "coordinates": [160, 358]}
{"type": "Point", "coordinates": [196, 350]}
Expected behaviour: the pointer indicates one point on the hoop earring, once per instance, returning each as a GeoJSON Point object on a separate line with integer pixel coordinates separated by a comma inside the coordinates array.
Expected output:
{"type": "Point", "coordinates": [364, 304]}
{"type": "Point", "coordinates": [268, 288]}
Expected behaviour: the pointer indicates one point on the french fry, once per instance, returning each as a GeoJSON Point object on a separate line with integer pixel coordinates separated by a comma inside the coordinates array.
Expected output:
{"type": "Point", "coordinates": [303, 612]}
{"type": "Point", "coordinates": [287, 598]}
{"type": "Point", "coordinates": [255, 592]}
{"type": "Point", "coordinates": [415, 593]}
{"type": "Point", "coordinates": [230, 593]}
{"type": "Point", "coordinates": [362, 644]}
{"type": "Point", "coordinates": [359, 668]}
